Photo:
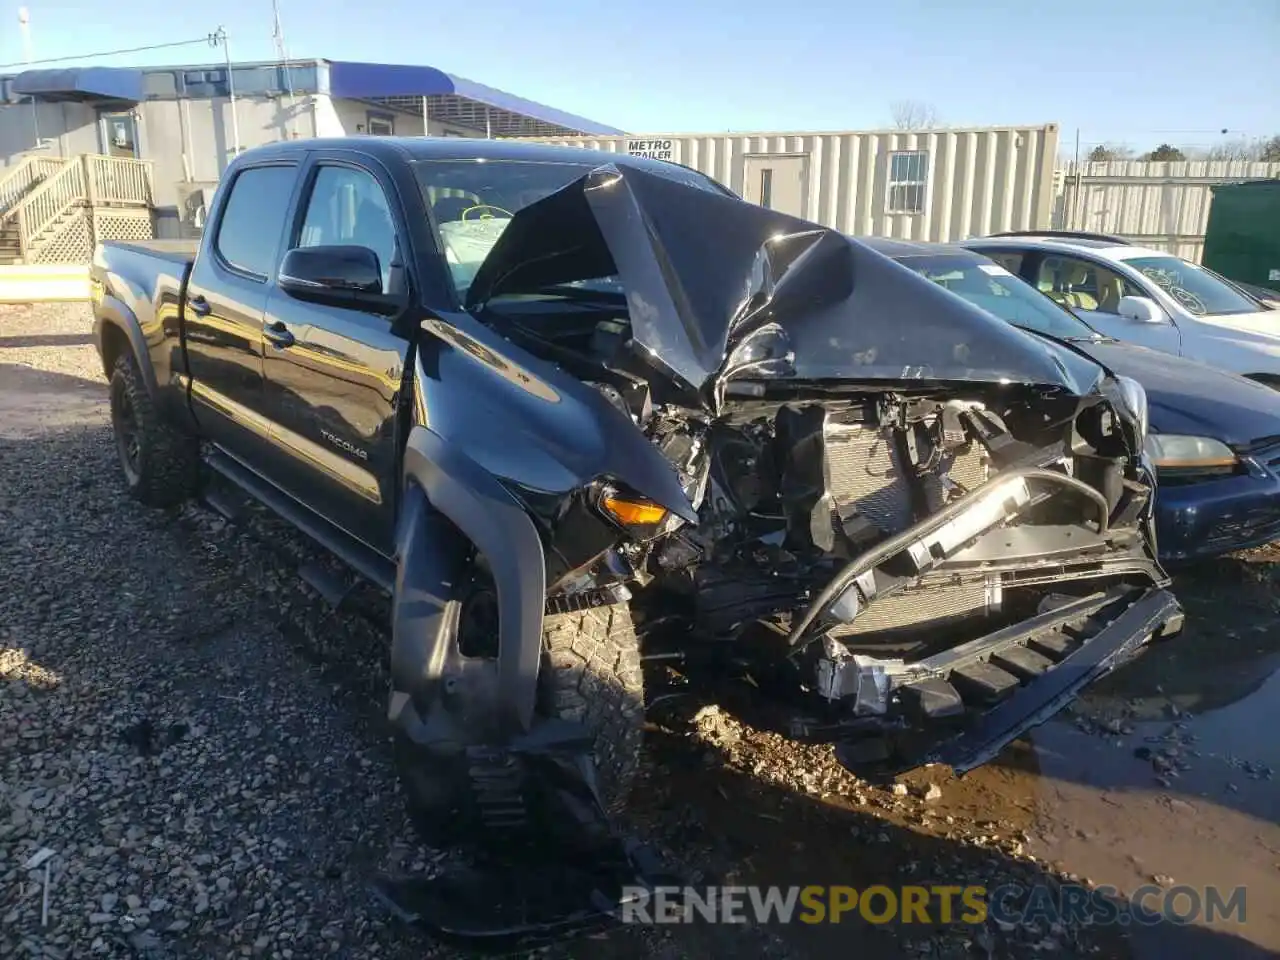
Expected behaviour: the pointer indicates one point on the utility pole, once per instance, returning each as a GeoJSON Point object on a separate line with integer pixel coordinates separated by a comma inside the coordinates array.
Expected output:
{"type": "Point", "coordinates": [24, 26]}
{"type": "Point", "coordinates": [219, 38]}
{"type": "Point", "coordinates": [282, 55]}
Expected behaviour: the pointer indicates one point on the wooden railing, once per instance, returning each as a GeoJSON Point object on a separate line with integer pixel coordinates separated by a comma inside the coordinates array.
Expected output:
{"type": "Point", "coordinates": [19, 179]}
{"type": "Point", "coordinates": [46, 203]}
{"type": "Point", "coordinates": [119, 180]}
{"type": "Point", "coordinates": [61, 186]}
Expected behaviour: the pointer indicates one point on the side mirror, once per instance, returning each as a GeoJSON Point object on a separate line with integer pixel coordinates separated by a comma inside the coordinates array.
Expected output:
{"type": "Point", "coordinates": [338, 276]}
{"type": "Point", "coordinates": [1141, 309]}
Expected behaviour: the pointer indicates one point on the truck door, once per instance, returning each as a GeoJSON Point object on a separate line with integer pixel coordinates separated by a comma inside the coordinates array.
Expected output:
{"type": "Point", "coordinates": [332, 374]}
{"type": "Point", "coordinates": [222, 318]}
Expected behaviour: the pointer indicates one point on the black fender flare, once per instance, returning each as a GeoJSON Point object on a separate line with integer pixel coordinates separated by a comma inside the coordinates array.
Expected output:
{"type": "Point", "coordinates": [441, 483]}
{"type": "Point", "coordinates": [112, 312]}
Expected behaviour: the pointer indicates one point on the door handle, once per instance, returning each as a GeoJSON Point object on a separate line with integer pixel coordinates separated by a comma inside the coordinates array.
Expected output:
{"type": "Point", "coordinates": [199, 306]}
{"type": "Point", "coordinates": [278, 333]}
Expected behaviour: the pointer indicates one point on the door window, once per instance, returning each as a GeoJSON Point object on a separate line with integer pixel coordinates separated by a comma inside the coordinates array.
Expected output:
{"type": "Point", "coordinates": [1083, 285]}
{"type": "Point", "coordinates": [252, 218]}
{"type": "Point", "coordinates": [119, 135]}
{"type": "Point", "coordinates": [348, 207]}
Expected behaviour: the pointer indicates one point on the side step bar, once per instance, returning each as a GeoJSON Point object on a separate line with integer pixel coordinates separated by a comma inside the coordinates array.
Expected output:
{"type": "Point", "coordinates": [363, 559]}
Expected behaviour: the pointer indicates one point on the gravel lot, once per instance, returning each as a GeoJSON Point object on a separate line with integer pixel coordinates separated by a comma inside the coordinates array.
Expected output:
{"type": "Point", "coordinates": [199, 741]}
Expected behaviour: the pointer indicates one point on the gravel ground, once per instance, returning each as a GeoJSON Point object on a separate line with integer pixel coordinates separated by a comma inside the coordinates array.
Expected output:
{"type": "Point", "coordinates": [204, 785]}
{"type": "Point", "coordinates": [199, 741]}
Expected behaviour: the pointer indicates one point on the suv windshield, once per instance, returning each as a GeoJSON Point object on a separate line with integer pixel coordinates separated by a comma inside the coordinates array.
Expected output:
{"type": "Point", "coordinates": [994, 289]}
{"type": "Point", "coordinates": [1195, 289]}
{"type": "Point", "coordinates": [472, 201]}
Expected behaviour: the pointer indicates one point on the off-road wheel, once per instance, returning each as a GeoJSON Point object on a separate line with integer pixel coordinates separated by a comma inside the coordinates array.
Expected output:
{"type": "Point", "coordinates": [161, 463]}
{"type": "Point", "coordinates": [590, 673]}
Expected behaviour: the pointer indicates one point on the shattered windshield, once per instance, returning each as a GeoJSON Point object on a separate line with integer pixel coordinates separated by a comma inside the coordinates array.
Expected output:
{"type": "Point", "coordinates": [473, 201]}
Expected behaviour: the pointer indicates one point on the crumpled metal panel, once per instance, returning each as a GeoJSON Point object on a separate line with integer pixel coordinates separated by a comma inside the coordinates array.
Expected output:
{"type": "Point", "coordinates": [704, 270]}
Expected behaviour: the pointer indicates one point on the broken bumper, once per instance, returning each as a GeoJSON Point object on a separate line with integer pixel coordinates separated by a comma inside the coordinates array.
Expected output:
{"type": "Point", "coordinates": [963, 706]}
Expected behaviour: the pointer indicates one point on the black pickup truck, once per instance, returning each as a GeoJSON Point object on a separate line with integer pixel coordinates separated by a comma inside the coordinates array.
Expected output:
{"type": "Point", "coordinates": [570, 407]}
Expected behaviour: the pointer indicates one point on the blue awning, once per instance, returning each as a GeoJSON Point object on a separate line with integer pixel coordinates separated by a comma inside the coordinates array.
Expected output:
{"type": "Point", "coordinates": [380, 81]}
{"type": "Point", "coordinates": [80, 83]}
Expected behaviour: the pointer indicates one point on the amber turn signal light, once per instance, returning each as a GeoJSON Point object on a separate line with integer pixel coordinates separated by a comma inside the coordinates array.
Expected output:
{"type": "Point", "coordinates": [633, 513]}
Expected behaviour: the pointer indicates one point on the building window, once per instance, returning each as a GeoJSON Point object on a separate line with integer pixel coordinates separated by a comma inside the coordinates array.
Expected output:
{"type": "Point", "coordinates": [380, 125]}
{"type": "Point", "coordinates": [766, 187]}
{"type": "Point", "coordinates": [908, 178]}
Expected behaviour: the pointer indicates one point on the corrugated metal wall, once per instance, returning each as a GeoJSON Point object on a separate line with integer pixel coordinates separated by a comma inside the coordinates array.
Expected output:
{"type": "Point", "coordinates": [979, 181]}
{"type": "Point", "coordinates": [1163, 205]}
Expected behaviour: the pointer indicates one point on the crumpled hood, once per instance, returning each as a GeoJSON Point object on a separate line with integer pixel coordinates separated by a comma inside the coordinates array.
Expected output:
{"type": "Point", "coordinates": [1193, 398]}
{"type": "Point", "coordinates": [715, 284]}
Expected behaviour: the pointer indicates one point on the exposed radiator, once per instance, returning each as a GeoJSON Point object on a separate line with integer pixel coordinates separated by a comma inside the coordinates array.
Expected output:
{"type": "Point", "coordinates": [926, 606]}
{"type": "Point", "coordinates": [864, 468]}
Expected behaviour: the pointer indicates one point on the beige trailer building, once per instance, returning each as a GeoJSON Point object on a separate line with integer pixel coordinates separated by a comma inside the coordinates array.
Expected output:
{"type": "Point", "coordinates": [936, 185]}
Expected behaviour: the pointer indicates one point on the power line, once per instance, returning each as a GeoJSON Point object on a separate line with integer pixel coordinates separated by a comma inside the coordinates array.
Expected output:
{"type": "Point", "coordinates": [111, 53]}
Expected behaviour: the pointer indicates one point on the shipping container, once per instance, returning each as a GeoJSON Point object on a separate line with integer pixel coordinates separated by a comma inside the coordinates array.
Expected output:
{"type": "Point", "coordinates": [936, 185]}
{"type": "Point", "coordinates": [1159, 204]}
{"type": "Point", "coordinates": [1242, 241]}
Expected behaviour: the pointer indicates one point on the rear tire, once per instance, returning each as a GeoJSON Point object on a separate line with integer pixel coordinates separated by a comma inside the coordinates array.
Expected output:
{"type": "Point", "coordinates": [161, 463]}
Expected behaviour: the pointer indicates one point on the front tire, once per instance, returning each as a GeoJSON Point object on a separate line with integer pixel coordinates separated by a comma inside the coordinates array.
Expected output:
{"type": "Point", "coordinates": [161, 463]}
{"type": "Point", "coordinates": [589, 674]}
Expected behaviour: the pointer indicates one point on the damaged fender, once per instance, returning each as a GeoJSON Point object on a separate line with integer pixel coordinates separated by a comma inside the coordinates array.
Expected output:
{"type": "Point", "coordinates": [437, 694]}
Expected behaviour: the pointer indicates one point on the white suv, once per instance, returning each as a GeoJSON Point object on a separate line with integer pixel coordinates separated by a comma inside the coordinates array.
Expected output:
{"type": "Point", "coordinates": [1146, 296]}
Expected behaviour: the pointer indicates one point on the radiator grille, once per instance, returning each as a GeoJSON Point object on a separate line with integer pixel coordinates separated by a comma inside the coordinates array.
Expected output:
{"type": "Point", "coordinates": [864, 468]}
{"type": "Point", "coordinates": [924, 606]}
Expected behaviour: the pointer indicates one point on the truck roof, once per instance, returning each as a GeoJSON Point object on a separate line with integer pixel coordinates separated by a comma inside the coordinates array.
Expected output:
{"type": "Point", "coordinates": [458, 148]}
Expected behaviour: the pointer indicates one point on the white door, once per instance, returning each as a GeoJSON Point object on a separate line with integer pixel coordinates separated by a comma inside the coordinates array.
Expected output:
{"type": "Point", "coordinates": [777, 182]}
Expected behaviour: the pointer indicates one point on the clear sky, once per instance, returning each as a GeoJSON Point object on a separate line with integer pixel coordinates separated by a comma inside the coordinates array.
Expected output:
{"type": "Point", "coordinates": [1135, 71]}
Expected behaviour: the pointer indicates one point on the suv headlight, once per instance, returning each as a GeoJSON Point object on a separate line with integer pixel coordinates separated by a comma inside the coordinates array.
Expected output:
{"type": "Point", "coordinates": [1183, 457]}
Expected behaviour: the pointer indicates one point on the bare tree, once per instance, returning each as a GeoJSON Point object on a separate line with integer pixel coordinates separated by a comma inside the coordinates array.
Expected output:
{"type": "Point", "coordinates": [1269, 150]}
{"type": "Point", "coordinates": [1236, 149]}
{"type": "Point", "coordinates": [913, 115]}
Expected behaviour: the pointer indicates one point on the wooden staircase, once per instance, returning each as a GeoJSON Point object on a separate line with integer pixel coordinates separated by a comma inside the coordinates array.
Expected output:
{"type": "Point", "coordinates": [10, 243]}
{"type": "Point", "coordinates": [54, 210]}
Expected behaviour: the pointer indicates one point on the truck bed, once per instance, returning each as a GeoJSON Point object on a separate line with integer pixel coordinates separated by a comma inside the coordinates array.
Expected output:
{"type": "Point", "coordinates": [174, 251]}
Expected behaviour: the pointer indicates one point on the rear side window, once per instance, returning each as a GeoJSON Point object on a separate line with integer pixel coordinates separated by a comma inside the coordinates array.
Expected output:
{"type": "Point", "coordinates": [1011, 260]}
{"type": "Point", "coordinates": [253, 217]}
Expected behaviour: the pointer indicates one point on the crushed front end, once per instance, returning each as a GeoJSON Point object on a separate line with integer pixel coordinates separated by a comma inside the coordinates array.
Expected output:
{"type": "Point", "coordinates": [921, 514]}
{"type": "Point", "coordinates": [940, 570]}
